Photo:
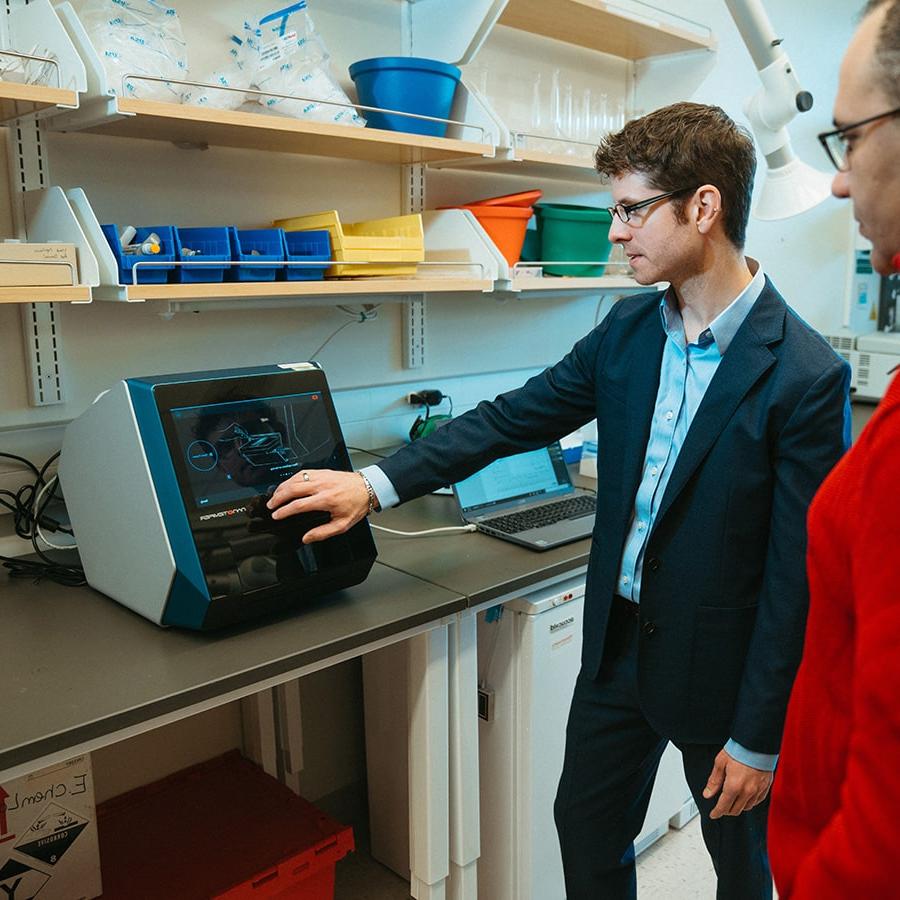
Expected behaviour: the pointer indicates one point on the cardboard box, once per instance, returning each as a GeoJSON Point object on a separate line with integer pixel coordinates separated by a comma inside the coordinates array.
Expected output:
{"type": "Point", "coordinates": [33, 265]}
{"type": "Point", "coordinates": [48, 834]}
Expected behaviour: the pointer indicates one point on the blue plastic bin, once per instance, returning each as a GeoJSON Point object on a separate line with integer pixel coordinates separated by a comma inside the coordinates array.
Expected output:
{"type": "Point", "coordinates": [213, 245]}
{"type": "Point", "coordinates": [256, 245]}
{"type": "Point", "coordinates": [407, 84]}
{"type": "Point", "coordinates": [306, 246]}
{"type": "Point", "coordinates": [126, 261]}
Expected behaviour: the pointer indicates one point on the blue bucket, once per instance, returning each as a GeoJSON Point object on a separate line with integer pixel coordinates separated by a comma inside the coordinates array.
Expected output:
{"type": "Point", "coordinates": [407, 84]}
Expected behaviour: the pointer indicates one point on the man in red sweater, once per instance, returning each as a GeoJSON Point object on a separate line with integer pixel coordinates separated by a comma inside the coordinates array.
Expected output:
{"type": "Point", "coordinates": [834, 830]}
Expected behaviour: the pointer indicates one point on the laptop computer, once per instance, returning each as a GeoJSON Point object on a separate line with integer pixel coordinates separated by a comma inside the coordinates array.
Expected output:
{"type": "Point", "coordinates": [528, 499]}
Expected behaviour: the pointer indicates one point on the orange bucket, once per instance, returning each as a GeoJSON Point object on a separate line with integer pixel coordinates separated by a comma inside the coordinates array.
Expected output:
{"type": "Point", "coordinates": [505, 226]}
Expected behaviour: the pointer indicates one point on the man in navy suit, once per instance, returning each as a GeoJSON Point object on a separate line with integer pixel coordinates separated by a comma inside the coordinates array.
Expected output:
{"type": "Point", "coordinates": [718, 412]}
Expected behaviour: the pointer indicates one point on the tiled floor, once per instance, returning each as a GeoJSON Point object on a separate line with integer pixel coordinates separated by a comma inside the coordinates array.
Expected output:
{"type": "Point", "coordinates": [676, 867]}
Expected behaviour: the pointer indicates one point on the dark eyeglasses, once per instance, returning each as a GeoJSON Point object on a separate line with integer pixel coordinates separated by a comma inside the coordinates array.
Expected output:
{"type": "Point", "coordinates": [836, 143]}
{"type": "Point", "coordinates": [623, 212]}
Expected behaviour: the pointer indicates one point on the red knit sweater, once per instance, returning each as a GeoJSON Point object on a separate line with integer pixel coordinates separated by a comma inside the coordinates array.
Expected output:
{"type": "Point", "coordinates": [834, 824]}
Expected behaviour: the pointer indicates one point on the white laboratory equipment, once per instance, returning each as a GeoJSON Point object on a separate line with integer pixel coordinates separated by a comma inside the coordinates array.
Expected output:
{"type": "Point", "coordinates": [528, 660]}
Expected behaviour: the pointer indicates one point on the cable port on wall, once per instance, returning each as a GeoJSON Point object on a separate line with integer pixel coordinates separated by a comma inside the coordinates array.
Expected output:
{"type": "Point", "coordinates": [428, 397]}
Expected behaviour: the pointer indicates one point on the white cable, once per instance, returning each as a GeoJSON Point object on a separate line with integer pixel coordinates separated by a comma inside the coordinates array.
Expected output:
{"type": "Point", "coordinates": [37, 506]}
{"type": "Point", "coordinates": [469, 528]}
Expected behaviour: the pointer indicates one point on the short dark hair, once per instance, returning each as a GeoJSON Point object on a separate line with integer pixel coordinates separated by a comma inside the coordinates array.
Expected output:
{"type": "Point", "coordinates": [887, 50]}
{"type": "Point", "coordinates": [686, 145]}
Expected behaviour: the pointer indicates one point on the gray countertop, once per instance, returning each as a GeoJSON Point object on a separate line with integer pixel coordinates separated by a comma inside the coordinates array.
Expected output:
{"type": "Point", "coordinates": [480, 567]}
{"type": "Point", "coordinates": [78, 667]}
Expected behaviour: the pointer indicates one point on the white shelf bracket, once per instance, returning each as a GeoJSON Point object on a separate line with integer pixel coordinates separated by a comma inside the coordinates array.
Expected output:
{"type": "Point", "coordinates": [447, 29]}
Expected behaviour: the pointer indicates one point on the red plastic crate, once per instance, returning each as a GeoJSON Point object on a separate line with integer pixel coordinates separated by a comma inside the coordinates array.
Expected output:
{"type": "Point", "coordinates": [221, 830]}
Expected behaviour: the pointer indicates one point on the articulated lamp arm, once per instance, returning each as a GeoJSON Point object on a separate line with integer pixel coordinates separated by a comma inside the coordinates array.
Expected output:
{"type": "Point", "coordinates": [791, 186]}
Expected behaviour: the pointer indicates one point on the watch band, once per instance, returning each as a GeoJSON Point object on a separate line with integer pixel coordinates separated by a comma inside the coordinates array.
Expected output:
{"type": "Point", "coordinates": [374, 506]}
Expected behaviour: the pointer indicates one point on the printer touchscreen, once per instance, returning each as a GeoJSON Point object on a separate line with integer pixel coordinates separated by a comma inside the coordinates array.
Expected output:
{"type": "Point", "coordinates": [239, 448]}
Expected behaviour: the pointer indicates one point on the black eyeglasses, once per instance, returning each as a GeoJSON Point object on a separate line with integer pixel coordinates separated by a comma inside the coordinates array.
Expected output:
{"type": "Point", "coordinates": [836, 143]}
{"type": "Point", "coordinates": [623, 212]}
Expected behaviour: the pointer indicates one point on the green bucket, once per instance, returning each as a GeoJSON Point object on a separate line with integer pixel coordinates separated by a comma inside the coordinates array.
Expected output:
{"type": "Point", "coordinates": [573, 233]}
{"type": "Point", "coordinates": [531, 249]}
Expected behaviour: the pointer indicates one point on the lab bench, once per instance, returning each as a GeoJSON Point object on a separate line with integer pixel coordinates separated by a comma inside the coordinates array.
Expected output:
{"type": "Point", "coordinates": [84, 672]}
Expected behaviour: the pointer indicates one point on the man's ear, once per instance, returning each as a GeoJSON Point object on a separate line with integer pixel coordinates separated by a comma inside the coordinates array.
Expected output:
{"type": "Point", "coordinates": [707, 207]}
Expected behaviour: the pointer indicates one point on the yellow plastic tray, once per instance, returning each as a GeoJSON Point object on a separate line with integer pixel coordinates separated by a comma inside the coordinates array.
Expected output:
{"type": "Point", "coordinates": [398, 241]}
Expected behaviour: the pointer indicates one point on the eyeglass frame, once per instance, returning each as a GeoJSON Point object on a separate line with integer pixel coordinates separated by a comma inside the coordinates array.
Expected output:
{"type": "Point", "coordinates": [641, 204]}
{"type": "Point", "coordinates": [825, 136]}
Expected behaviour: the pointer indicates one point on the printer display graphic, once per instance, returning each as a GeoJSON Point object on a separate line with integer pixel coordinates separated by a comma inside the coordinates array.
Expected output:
{"type": "Point", "coordinates": [238, 449]}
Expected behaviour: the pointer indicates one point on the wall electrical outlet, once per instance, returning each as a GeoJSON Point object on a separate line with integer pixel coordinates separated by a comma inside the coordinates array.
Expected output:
{"type": "Point", "coordinates": [425, 397]}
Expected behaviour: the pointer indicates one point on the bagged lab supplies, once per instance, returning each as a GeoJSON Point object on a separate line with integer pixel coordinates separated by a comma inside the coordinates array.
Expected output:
{"type": "Point", "coordinates": [138, 37]}
{"type": "Point", "coordinates": [227, 84]}
{"type": "Point", "coordinates": [291, 59]}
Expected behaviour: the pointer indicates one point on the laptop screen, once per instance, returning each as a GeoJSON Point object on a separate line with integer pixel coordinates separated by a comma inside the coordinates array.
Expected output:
{"type": "Point", "coordinates": [537, 473]}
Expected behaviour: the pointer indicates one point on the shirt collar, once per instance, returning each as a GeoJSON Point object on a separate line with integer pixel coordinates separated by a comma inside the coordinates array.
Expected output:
{"type": "Point", "coordinates": [725, 326]}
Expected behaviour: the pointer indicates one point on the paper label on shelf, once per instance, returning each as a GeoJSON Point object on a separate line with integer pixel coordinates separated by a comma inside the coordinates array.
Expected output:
{"type": "Point", "coordinates": [299, 366]}
{"type": "Point", "coordinates": [48, 834]}
{"type": "Point", "coordinates": [279, 49]}
{"type": "Point", "coordinates": [17, 879]}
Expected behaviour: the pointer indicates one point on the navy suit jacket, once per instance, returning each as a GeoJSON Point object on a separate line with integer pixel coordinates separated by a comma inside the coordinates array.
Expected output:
{"type": "Point", "coordinates": [724, 594]}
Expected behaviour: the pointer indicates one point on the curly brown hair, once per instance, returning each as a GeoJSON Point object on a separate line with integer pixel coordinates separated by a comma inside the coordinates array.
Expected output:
{"type": "Point", "coordinates": [686, 145]}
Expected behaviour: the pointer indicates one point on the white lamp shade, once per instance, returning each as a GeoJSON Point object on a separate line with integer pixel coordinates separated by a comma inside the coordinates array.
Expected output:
{"type": "Point", "coordinates": [791, 189]}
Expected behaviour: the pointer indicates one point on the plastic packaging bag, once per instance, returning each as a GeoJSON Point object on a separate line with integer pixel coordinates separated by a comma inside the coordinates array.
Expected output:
{"type": "Point", "coordinates": [291, 58]}
{"type": "Point", "coordinates": [29, 71]}
{"type": "Point", "coordinates": [137, 37]}
{"type": "Point", "coordinates": [237, 73]}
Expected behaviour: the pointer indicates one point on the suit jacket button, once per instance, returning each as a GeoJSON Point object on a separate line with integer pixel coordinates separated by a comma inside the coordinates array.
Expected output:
{"type": "Point", "coordinates": [649, 627]}
{"type": "Point", "coordinates": [654, 564]}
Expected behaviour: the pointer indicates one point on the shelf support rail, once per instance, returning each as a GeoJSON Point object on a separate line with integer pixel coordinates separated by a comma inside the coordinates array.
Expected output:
{"type": "Point", "coordinates": [413, 318]}
{"type": "Point", "coordinates": [520, 140]}
{"type": "Point", "coordinates": [269, 264]}
{"type": "Point", "coordinates": [40, 321]}
{"type": "Point", "coordinates": [486, 136]}
{"type": "Point", "coordinates": [608, 263]}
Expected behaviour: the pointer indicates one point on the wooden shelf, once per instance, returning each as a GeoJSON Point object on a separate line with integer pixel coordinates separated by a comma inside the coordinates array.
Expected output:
{"type": "Point", "coordinates": [79, 293]}
{"type": "Point", "coordinates": [183, 123]}
{"type": "Point", "coordinates": [533, 164]}
{"type": "Point", "coordinates": [605, 27]}
{"type": "Point", "coordinates": [335, 289]}
{"type": "Point", "coordinates": [23, 99]}
{"type": "Point", "coordinates": [529, 284]}
{"type": "Point", "coordinates": [540, 164]}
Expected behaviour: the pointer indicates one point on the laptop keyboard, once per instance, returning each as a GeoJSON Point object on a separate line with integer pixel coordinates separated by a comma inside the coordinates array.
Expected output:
{"type": "Point", "coordinates": [539, 516]}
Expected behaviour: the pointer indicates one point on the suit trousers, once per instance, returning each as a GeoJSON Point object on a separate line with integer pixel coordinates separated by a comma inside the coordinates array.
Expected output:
{"type": "Point", "coordinates": [612, 754]}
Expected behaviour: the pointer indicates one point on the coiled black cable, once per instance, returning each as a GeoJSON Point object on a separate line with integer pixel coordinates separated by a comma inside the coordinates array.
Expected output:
{"type": "Point", "coordinates": [27, 516]}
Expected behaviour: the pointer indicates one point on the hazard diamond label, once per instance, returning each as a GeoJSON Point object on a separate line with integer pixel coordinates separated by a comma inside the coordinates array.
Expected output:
{"type": "Point", "coordinates": [51, 834]}
{"type": "Point", "coordinates": [21, 882]}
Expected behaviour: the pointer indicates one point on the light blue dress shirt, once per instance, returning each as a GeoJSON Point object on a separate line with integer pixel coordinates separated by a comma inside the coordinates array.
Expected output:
{"type": "Point", "coordinates": [685, 374]}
